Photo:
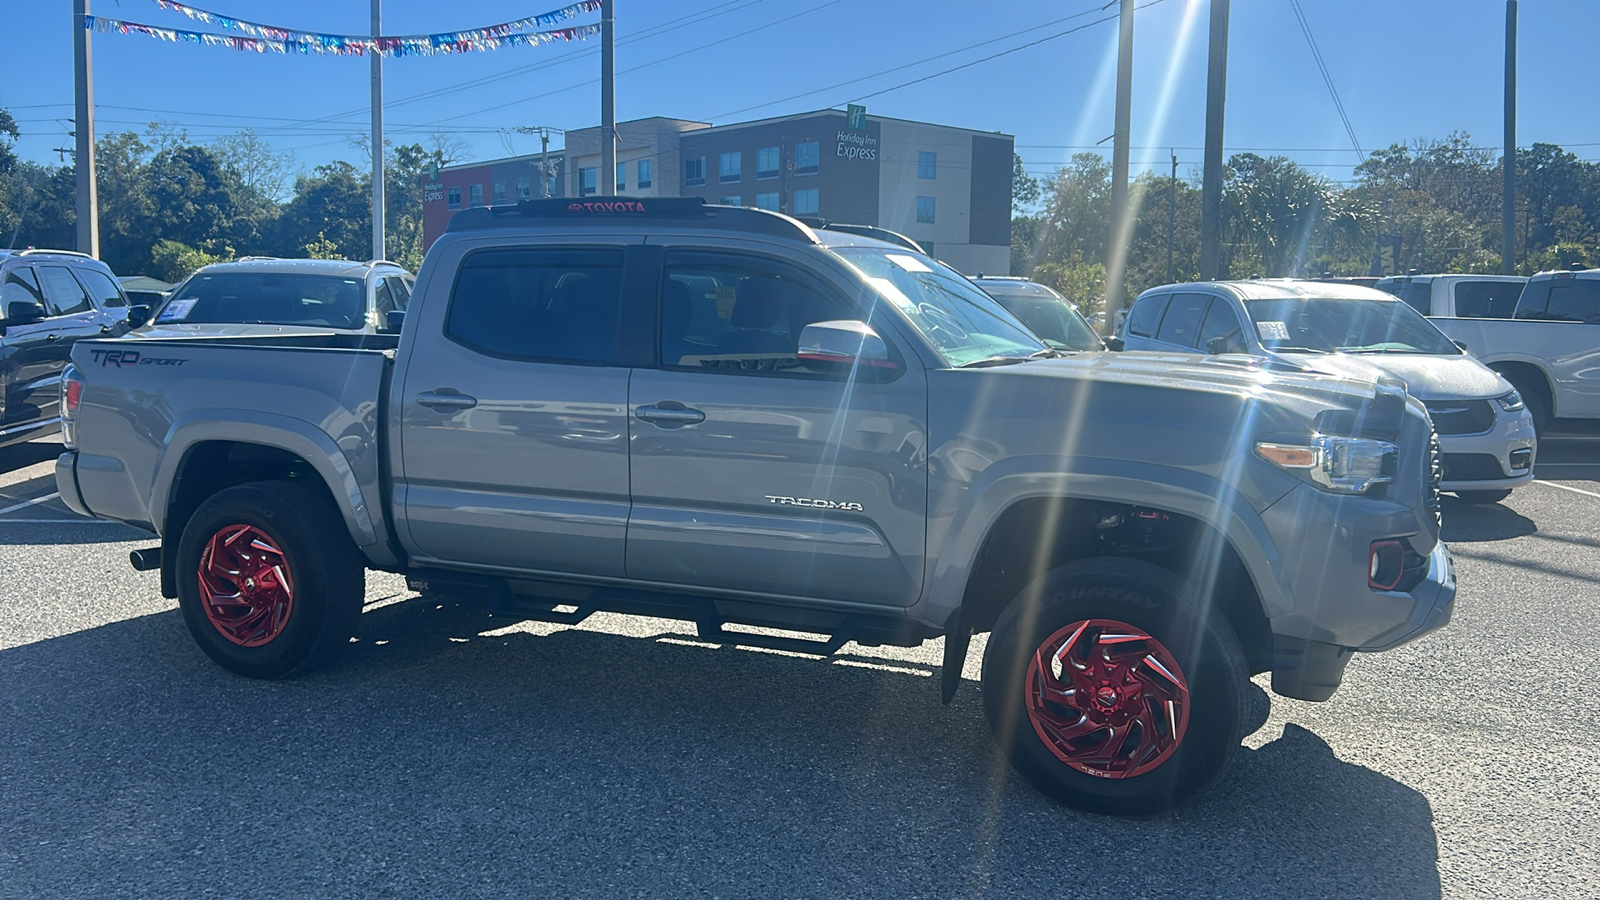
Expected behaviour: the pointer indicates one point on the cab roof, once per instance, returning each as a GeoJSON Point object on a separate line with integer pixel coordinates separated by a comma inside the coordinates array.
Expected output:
{"type": "Point", "coordinates": [1296, 289]}
{"type": "Point", "coordinates": [337, 267]}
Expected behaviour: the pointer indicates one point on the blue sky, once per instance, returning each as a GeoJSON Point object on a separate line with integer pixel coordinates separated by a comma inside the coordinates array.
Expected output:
{"type": "Point", "coordinates": [1403, 68]}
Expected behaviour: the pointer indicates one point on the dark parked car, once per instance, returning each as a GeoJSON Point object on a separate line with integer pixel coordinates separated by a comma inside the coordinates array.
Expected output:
{"type": "Point", "coordinates": [48, 300]}
{"type": "Point", "coordinates": [1046, 313]}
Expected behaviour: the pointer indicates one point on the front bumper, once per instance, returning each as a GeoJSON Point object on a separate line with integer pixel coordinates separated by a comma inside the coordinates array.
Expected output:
{"type": "Point", "coordinates": [1492, 460]}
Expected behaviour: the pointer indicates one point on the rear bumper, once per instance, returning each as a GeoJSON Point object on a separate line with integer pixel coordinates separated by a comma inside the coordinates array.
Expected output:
{"type": "Point", "coordinates": [67, 483]}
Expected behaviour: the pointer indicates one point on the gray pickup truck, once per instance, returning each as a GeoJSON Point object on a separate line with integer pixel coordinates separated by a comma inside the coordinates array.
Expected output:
{"type": "Point", "coordinates": [722, 416]}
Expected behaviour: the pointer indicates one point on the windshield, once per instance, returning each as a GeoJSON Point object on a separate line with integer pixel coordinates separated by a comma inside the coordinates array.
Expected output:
{"type": "Point", "coordinates": [1346, 326]}
{"type": "Point", "coordinates": [268, 298]}
{"type": "Point", "coordinates": [1054, 320]}
{"type": "Point", "coordinates": [962, 322]}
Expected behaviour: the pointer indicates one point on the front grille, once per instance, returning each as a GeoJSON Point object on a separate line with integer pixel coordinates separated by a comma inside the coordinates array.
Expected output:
{"type": "Point", "coordinates": [1461, 416]}
{"type": "Point", "coordinates": [1472, 467]}
{"type": "Point", "coordinates": [1435, 476]}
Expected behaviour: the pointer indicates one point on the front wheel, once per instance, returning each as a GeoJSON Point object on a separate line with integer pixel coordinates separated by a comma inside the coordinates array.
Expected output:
{"type": "Point", "coordinates": [269, 581]}
{"type": "Point", "coordinates": [1110, 690]}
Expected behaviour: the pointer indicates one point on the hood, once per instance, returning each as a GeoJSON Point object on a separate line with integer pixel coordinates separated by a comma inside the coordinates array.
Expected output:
{"type": "Point", "coordinates": [1427, 377]}
{"type": "Point", "coordinates": [222, 329]}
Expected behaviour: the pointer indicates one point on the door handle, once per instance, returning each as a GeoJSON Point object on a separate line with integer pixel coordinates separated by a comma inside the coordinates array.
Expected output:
{"type": "Point", "coordinates": [442, 400]}
{"type": "Point", "coordinates": [670, 414]}
{"type": "Point", "coordinates": [52, 337]}
{"type": "Point", "coordinates": [105, 329]}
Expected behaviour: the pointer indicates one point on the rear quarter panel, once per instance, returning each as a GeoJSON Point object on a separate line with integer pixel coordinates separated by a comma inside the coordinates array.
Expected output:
{"type": "Point", "coordinates": [147, 403]}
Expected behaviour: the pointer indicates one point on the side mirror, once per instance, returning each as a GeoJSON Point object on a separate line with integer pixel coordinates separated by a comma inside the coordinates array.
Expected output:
{"type": "Point", "coordinates": [1462, 345]}
{"type": "Point", "coordinates": [138, 315]}
{"type": "Point", "coordinates": [845, 344]}
{"type": "Point", "coordinates": [20, 311]}
{"type": "Point", "coordinates": [1115, 343]}
{"type": "Point", "coordinates": [393, 320]}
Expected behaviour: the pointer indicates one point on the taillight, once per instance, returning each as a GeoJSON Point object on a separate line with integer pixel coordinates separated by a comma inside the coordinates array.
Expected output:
{"type": "Point", "coordinates": [71, 396]}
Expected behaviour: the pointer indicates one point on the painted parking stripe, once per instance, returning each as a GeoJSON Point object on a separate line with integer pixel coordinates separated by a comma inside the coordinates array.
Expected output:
{"type": "Point", "coordinates": [1572, 489]}
{"type": "Point", "coordinates": [27, 503]}
{"type": "Point", "coordinates": [58, 522]}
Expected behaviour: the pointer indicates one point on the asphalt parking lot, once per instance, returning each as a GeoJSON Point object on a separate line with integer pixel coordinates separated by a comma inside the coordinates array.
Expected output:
{"type": "Point", "coordinates": [452, 754]}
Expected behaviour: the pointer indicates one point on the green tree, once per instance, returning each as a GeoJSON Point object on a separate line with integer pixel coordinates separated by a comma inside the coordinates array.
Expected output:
{"type": "Point", "coordinates": [174, 261]}
{"type": "Point", "coordinates": [191, 199]}
{"type": "Point", "coordinates": [333, 203]}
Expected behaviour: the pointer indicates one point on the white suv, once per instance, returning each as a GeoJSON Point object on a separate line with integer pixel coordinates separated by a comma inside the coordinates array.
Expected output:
{"type": "Point", "coordinates": [258, 295]}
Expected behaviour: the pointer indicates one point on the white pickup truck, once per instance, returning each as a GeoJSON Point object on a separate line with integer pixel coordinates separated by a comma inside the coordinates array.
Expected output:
{"type": "Point", "coordinates": [1546, 343]}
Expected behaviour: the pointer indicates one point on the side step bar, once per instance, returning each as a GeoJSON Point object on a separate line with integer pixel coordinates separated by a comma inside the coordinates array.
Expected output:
{"type": "Point", "coordinates": [710, 622]}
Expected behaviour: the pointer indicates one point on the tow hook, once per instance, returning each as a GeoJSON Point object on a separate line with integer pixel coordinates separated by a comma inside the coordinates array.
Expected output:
{"type": "Point", "coordinates": [146, 559]}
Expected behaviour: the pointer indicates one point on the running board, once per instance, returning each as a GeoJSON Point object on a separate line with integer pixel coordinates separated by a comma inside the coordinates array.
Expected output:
{"type": "Point", "coordinates": [710, 622]}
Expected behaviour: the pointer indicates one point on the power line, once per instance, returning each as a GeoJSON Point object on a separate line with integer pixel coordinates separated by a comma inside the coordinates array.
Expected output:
{"type": "Point", "coordinates": [1327, 77]}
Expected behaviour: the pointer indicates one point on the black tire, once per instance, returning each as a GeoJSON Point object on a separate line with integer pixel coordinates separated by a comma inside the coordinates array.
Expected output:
{"type": "Point", "coordinates": [1484, 497]}
{"type": "Point", "coordinates": [1163, 606]}
{"type": "Point", "coordinates": [1533, 399]}
{"type": "Point", "coordinates": [326, 573]}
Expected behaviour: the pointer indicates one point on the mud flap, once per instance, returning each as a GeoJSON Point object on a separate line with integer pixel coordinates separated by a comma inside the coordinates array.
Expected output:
{"type": "Point", "coordinates": [957, 637]}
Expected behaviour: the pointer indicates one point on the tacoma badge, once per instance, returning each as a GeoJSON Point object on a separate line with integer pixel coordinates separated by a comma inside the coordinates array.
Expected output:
{"type": "Point", "coordinates": [814, 504]}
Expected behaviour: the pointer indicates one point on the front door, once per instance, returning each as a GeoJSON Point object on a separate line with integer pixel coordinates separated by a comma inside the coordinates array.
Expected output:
{"type": "Point", "coordinates": [753, 472]}
{"type": "Point", "coordinates": [513, 439]}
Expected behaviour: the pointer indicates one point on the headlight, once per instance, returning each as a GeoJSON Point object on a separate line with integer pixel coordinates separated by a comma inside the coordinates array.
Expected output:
{"type": "Point", "coordinates": [1511, 402]}
{"type": "Point", "coordinates": [1340, 464]}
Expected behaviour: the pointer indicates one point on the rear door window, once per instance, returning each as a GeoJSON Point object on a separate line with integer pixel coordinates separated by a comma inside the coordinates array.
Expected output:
{"type": "Point", "coordinates": [552, 305]}
{"type": "Point", "coordinates": [19, 286]}
{"type": "Point", "coordinates": [1145, 319]}
{"type": "Point", "coordinates": [63, 295]}
{"type": "Point", "coordinates": [1574, 300]}
{"type": "Point", "coordinates": [1181, 324]}
{"type": "Point", "coordinates": [1486, 299]}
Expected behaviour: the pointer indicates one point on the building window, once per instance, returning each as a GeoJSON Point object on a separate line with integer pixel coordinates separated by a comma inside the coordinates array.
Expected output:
{"type": "Point", "coordinates": [524, 188]}
{"type": "Point", "coordinates": [767, 201]}
{"type": "Point", "coordinates": [455, 197]}
{"type": "Point", "coordinates": [806, 157]}
{"type": "Point", "coordinates": [731, 201]}
{"type": "Point", "coordinates": [622, 175]}
{"type": "Point", "coordinates": [499, 192]}
{"type": "Point", "coordinates": [729, 166]}
{"type": "Point", "coordinates": [805, 202]}
{"type": "Point", "coordinates": [586, 180]}
{"type": "Point", "coordinates": [475, 194]}
{"type": "Point", "coordinates": [644, 173]}
{"type": "Point", "coordinates": [694, 171]}
{"type": "Point", "coordinates": [925, 210]}
{"type": "Point", "coordinates": [767, 162]}
{"type": "Point", "coordinates": [927, 164]}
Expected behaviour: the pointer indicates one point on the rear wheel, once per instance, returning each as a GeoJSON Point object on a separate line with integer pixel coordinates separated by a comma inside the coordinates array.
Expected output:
{"type": "Point", "coordinates": [269, 581]}
{"type": "Point", "coordinates": [1484, 497]}
{"type": "Point", "coordinates": [1111, 691]}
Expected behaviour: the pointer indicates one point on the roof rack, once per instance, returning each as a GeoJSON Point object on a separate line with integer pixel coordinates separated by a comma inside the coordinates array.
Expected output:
{"type": "Point", "coordinates": [871, 231]}
{"type": "Point", "coordinates": [383, 262]}
{"type": "Point", "coordinates": [32, 250]}
{"type": "Point", "coordinates": [254, 258]}
{"type": "Point", "coordinates": [683, 211]}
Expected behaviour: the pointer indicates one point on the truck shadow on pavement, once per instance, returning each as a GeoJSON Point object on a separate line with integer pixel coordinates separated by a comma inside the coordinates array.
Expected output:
{"type": "Point", "coordinates": [437, 761]}
{"type": "Point", "coordinates": [31, 453]}
{"type": "Point", "coordinates": [1474, 523]}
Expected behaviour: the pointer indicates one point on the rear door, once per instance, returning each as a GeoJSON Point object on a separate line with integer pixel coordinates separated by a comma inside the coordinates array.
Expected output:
{"type": "Point", "coordinates": [753, 472]}
{"type": "Point", "coordinates": [1563, 322]}
{"type": "Point", "coordinates": [513, 406]}
{"type": "Point", "coordinates": [25, 365]}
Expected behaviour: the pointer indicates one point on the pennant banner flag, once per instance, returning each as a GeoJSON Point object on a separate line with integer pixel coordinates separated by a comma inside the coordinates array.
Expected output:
{"type": "Point", "coordinates": [479, 39]}
{"type": "Point", "coordinates": [274, 33]}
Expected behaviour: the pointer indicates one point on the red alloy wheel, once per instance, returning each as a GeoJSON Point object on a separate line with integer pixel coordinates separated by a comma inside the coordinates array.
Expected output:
{"type": "Point", "coordinates": [245, 586]}
{"type": "Point", "coordinates": [1107, 699]}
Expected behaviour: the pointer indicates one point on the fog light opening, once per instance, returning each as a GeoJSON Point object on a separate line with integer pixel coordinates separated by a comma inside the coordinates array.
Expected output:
{"type": "Point", "coordinates": [1385, 565]}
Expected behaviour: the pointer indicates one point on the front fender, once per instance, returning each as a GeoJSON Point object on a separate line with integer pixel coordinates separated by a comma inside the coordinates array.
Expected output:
{"type": "Point", "coordinates": [359, 504]}
{"type": "Point", "coordinates": [1173, 490]}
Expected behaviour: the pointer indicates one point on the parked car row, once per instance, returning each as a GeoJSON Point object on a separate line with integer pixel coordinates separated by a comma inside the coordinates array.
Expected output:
{"type": "Point", "coordinates": [51, 299]}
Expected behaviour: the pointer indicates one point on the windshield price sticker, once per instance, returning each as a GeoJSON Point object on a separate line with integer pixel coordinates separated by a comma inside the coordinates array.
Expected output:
{"type": "Point", "coordinates": [727, 297]}
{"type": "Point", "coordinates": [176, 311]}
{"type": "Point", "coordinates": [1273, 331]}
{"type": "Point", "coordinates": [888, 289]}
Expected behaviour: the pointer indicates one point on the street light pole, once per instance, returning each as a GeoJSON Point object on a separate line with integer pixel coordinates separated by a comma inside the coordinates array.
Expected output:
{"type": "Point", "coordinates": [1211, 183]}
{"type": "Point", "coordinates": [88, 206]}
{"type": "Point", "coordinates": [377, 133]}
{"type": "Point", "coordinates": [608, 104]}
{"type": "Point", "coordinates": [1508, 165]}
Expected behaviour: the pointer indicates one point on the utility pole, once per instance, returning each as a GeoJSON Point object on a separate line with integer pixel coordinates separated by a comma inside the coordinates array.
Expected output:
{"type": "Point", "coordinates": [1211, 185]}
{"type": "Point", "coordinates": [608, 103]}
{"type": "Point", "coordinates": [88, 205]}
{"type": "Point", "coordinates": [544, 163]}
{"type": "Point", "coordinates": [1172, 217]}
{"type": "Point", "coordinates": [1117, 256]}
{"type": "Point", "coordinates": [377, 133]}
{"type": "Point", "coordinates": [1508, 166]}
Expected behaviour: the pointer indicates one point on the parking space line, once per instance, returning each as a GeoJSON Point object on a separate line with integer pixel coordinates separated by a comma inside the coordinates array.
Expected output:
{"type": "Point", "coordinates": [27, 503]}
{"type": "Point", "coordinates": [1565, 488]}
{"type": "Point", "coordinates": [58, 522]}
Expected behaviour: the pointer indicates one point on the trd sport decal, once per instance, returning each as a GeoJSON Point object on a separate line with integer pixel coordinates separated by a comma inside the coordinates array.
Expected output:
{"type": "Point", "coordinates": [124, 358]}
